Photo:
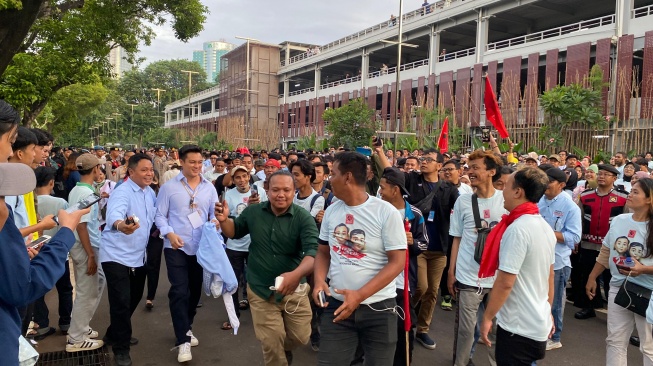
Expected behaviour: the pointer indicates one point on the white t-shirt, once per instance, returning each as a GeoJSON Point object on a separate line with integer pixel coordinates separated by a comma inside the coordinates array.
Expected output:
{"type": "Point", "coordinates": [306, 202]}
{"type": "Point", "coordinates": [399, 281]}
{"type": "Point", "coordinates": [528, 251]}
{"type": "Point", "coordinates": [212, 175]}
{"type": "Point", "coordinates": [465, 189]}
{"type": "Point", "coordinates": [627, 238]}
{"type": "Point", "coordinates": [462, 225]}
{"type": "Point", "coordinates": [627, 185]}
{"type": "Point", "coordinates": [365, 233]}
{"type": "Point", "coordinates": [237, 203]}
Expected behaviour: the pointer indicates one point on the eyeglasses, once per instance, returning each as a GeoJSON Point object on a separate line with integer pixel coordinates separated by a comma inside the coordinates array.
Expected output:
{"type": "Point", "coordinates": [605, 175]}
{"type": "Point", "coordinates": [427, 160]}
{"type": "Point", "coordinates": [447, 170]}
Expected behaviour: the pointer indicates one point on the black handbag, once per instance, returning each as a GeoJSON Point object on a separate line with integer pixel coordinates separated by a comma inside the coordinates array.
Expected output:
{"type": "Point", "coordinates": [482, 232]}
{"type": "Point", "coordinates": [633, 297]}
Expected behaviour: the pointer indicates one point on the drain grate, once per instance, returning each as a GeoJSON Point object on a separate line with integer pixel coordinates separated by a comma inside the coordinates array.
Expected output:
{"type": "Point", "coordinates": [97, 357]}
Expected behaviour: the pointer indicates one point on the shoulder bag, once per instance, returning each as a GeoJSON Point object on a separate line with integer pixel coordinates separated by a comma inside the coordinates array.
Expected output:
{"type": "Point", "coordinates": [633, 297]}
{"type": "Point", "coordinates": [482, 232]}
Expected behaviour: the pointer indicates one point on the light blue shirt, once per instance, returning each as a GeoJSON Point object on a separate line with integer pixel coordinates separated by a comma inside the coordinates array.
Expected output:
{"type": "Point", "coordinates": [92, 219]}
{"type": "Point", "coordinates": [173, 209]}
{"type": "Point", "coordinates": [564, 216]}
{"type": "Point", "coordinates": [17, 204]}
{"type": "Point", "coordinates": [128, 200]}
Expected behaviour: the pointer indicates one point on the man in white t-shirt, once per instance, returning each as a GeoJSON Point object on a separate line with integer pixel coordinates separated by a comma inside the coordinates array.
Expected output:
{"type": "Point", "coordinates": [523, 290]}
{"type": "Point", "coordinates": [238, 249]}
{"type": "Point", "coordinates": [303, 173]}
{"type": "Point", "coordinates": [363, 249]}
{"type": "Point", "coordinates": [463, 280]}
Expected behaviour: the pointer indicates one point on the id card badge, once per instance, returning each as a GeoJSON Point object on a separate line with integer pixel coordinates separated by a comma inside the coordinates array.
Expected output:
{"type": "Point", "coordinates": [195, 219]}
{"type": "Point", "coordinates": [431, 216]}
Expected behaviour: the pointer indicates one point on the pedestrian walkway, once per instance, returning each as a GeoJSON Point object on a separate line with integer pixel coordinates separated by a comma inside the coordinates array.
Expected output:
{"type": "Point", "coordinates": [583, 340]}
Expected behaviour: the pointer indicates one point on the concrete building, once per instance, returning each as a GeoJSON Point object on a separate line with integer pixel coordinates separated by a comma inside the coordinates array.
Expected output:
{"type": "Point", "coordinates": [119, 63]}
{"type": "Point", "coordinates": [525, 47]}
{"type": "Point", "coordinates": [209, 57]}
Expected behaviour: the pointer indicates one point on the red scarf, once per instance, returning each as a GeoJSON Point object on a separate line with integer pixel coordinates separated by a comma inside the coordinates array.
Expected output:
{"type": "Point", "coordinates": [490, 259]}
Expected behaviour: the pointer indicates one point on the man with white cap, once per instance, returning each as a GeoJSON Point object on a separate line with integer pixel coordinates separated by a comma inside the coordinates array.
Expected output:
{"type": "Point", "coordinates": [89, 277]}
{"type": "Point", "coordinates": [22, 280]}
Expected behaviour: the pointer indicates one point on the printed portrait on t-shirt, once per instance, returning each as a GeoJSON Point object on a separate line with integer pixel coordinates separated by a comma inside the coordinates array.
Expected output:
{"type": "Point", "coordinates": [357, 240]}
{"type": "Point", "coordinates": [240, 208]}
{"type": "Point", "coordinates": [350, 243]}
{"type": "Point", "coordinates": [341, 234]}
{"type": "Point", "coordinates": [636, 250]}
{"type": "Point", "coordinates": [621, 247]}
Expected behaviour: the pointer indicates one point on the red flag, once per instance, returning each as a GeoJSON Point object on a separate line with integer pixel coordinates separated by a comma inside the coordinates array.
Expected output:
{"type": "Point", "coordinates": [492, 112]}
{"type": "Point", "coordinates": [407, 323]}
{"type": "Point", "coordinates": [443, 140]}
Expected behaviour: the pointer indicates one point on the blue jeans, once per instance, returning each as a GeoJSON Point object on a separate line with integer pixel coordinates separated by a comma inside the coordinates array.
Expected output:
{"type": "Point", "coordinates": [560, 278]}
{"type": "Point", "coordinates": [375, 330]}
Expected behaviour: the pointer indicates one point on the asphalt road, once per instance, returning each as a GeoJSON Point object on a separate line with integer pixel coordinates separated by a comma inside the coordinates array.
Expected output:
{"type": "Point", "coordinates": [583, 340]}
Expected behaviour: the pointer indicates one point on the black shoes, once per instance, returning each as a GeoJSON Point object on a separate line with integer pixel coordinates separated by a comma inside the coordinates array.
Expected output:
{"type": "Point", "coordinates": [585, 314]}
{"type": "Point", "coordinates": [634, 341]}
{"type": "Point", "coordinates": [123, 359]}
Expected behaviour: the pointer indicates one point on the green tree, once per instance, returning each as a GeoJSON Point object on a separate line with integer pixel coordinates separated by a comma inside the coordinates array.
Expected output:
{"type": "Point", "coordinates": [565, 105]}
{"type": "Point", "coordinates": [70, 41]}
{"type": "Point", "coordinates": [351, 124]}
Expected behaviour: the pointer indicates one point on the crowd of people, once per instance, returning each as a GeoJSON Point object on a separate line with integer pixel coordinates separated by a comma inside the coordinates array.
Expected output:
{"type": "Point", "coordinates": [348, 252]}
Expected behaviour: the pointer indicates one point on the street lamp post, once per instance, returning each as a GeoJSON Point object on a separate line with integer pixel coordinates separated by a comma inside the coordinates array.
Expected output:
{"type": "Point", "coordinates": [116, 117]}
{"type": "Point", "coordinates": [131, 122]}
{"type": "Point", "coordinates": [247, 89]}
{"type": "Point", "coordinates": [158, 101]}
{"type": "Point", "coordinates": [108, 122]}
{"type": "Point", "coordinates": [190, 80]}
{"type": "Point", "coordinates": [399, 44]}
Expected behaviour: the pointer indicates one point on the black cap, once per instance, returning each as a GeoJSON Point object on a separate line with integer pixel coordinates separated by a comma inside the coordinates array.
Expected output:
{"type": "Point", "coordinates": [401, 162]}
{"type": "Point", "coordinates": [609, 168]}
{"type": "Point", "coordinates": [396, 177]}
{"type": "Point", "coordinates": [572, 156]}
{"type": "Point", "coordinates": [557, 174]}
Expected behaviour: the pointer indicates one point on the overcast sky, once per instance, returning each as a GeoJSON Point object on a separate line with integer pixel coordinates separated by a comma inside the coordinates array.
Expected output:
{"type": "Point", "coordinates": [307, 21]}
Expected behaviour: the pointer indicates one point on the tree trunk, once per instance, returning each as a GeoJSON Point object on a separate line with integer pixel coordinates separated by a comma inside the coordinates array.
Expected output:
{"type": "Point", "coordinates": [14, 26]}
{"type": "Point", "coordinates": [32, 112]}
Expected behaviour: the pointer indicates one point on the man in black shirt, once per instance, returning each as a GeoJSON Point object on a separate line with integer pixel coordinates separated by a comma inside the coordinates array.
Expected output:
{"type": "Point", "coordinates": [435, 199]}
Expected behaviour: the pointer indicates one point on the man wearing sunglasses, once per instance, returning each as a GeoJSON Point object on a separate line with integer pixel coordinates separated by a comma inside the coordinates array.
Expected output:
{"type": "Point", "coordinates": [435, 198]}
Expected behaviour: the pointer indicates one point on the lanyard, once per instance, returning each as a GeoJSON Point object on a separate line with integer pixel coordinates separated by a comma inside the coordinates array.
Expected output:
{"type": "Point", "coordinates": [191, 194]}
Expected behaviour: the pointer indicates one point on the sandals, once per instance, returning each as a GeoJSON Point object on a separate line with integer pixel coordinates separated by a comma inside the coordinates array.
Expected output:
{"type": "Point", "coordinates": [149, 305]}
{"type": "Point", "coordinates": [243, 305]}
{"type": "Point", "coordinates": [226, 326]}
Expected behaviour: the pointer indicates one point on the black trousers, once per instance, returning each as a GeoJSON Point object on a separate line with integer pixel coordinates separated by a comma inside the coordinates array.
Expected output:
{"type": "Point", "coordinates": [185, 276]}
{"type": "Point", "coordinates": [65, 293]}
{"type": "Point", "coordinates": [444, 288]}
{"type": "Point", "coordinates": [515, 350]}
{"type": "Point", "coordinates": [238, 261]}
{"type": "Point", "coordinates": [586, 261]}
{"type": "Point", "coordinates": [153, 265]}
{"type": "Point", "coordinates": [125, 286]}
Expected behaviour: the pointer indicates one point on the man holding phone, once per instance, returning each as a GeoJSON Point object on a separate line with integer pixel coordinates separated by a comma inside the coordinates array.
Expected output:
{"type": "Point", "coordinates": [130, 215]}
{"type": "Point", "coordinates": [89, 277]}
{"type": "Point", "coordinates": [238, 249]}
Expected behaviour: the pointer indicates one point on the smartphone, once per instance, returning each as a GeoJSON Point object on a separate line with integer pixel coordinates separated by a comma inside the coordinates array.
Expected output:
{"type": "Point", "coordinates": [36, 244]}
{"type": "Point", "coordinates": [88, 201]}
{"type": "Point", "coordinates": [364, 150]}
{"type": "Point", "coordinates": [254, 190]}
{"type": "Point", "coordinates": [485, 135]}
{"type": "Point", "coordinates": [322, 298]}
{"type": "Point", "coordinates": [378, 141]}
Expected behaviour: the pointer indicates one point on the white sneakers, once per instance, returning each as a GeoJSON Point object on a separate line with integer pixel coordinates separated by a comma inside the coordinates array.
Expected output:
{"type": "Point", "coordinates": [550, 344]}
{"type": "Point", "coordinates": [184, 354]}
{"type": "Point", "coordinates": [193, 341]}
{"type": "Point", "coordinates": [87, 345]}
